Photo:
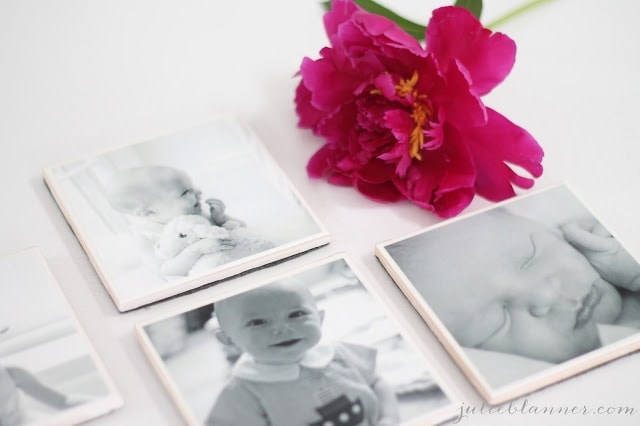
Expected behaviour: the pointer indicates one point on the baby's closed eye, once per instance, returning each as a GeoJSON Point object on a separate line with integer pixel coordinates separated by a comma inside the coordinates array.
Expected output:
{"type": "Point", "coordinates": [531, 256]}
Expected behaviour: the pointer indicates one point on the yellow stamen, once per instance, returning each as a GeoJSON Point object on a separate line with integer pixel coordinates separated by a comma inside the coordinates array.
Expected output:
{"type": "Point", "coordinates": [407, 86]}
{"type": "Point", "coordinates": [416, 141]}
{"type": "Point", "coordinates": [420, 113]}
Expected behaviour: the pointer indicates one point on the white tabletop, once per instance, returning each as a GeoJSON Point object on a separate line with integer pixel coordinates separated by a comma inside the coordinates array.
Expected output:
{"type": "Point", "coordinates": [78, 77]}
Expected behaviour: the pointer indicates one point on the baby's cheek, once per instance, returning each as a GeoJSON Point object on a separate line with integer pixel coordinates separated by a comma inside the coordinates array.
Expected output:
{"type": "Point", "coordinates": [610, 306]}
{"type": "Point", "coordinates": [553, 342]}
{"type": "Point", "coordinates": [528, 336]}
{"type": "Point", "coordinates": [484, 329]}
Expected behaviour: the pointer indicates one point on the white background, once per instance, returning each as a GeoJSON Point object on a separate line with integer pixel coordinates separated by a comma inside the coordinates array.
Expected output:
{"type": "Point", "coordinates": [82, 76]}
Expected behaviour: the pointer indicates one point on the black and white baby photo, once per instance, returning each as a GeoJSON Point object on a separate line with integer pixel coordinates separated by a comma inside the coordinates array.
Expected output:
{"type": "Point", "coordinates": [522, 287]}
{"type": "Point", "coordinates": [314, 348]}
{"type": "Point", "coordinates": [164, 216]}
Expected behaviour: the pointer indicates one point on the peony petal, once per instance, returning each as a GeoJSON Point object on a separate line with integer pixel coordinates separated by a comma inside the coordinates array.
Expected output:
{"type": "Point", "coordinates": [308, 115]}
{"type": "Point", "coordinates": [385, 192]}
{"type": "Point", "coordinates": [336, 126]}
{"type": "Point", "coordinates": [386, 85]}
{"type": "Point", "coordinates": [340, 12]}
{"type": "Point", "coordinates": [453, 201]}
{"type": "Point", "coordinates": [401, 125]}
{"type": "Point", "coordinates": [463, 107]}
{"type": "Point", "coordinates": [318, 164]}
{"type": "Point", "coordinates": [443, 181]}
{"type": "Point", "coordinates": [340, 179]}
{"type": "Point", "coordinates": [318, 75]}
{"type": "Point", "coordinates": [495, 146]}
{"type": "Point", "coordinates": [372, 26]}
{"type": "Point", "coordinates": [453, 32]}
{"type": "Point", "coordinates": [376, 172]}
{"type": "Point", "coordinates": [379, 26]}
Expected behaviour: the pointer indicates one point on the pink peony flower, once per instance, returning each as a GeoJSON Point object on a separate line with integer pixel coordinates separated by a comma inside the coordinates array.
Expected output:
{"type": "Point", "coordinates": [404, 121]}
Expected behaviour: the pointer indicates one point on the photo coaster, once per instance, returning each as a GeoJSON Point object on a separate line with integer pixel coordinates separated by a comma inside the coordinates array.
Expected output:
{"type": "Point", "coordinates": [165, 216]}
{"type": "Point", "coordinates": [523, 294]}
{"type": "Point", "coordinates": [49, 373]}
{"type": "Point", "coordinates": [315, 346]}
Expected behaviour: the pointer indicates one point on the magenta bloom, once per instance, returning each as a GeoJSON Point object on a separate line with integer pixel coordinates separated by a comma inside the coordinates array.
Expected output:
{"type": "Point", "coordinates": [403, 121]}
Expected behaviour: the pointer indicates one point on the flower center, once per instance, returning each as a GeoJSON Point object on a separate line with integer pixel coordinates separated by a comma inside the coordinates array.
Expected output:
{"type": "Point", "coordinates": [407, 86]}
{"type": "Point", "coordinates": [420, 113]}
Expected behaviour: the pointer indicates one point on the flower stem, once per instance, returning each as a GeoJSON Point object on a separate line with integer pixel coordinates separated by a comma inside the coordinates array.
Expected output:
{"type": "Point", "coordinates": [515, 12]}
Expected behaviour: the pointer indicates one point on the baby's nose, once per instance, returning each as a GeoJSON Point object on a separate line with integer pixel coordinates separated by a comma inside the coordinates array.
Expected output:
{"type": "Point", "coordinates": [280, 328]}
{"type": "Point", "coordinates": [549, 296]}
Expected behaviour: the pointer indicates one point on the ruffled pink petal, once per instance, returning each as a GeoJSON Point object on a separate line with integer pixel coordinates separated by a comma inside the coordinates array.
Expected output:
{"type": "Point", "coordinates": [370, 25]}
{"type": "Point", "coordinates": [318, 75]}
{"type": "Point", "coordinates": [335, 126]}
{"type": "Point", "coordinates": [386, 85]}
{"type": "Point", "coordinates": [435, 134]}
{"type": "Point", "coordinates": [443, 181]}
{"type": "Point", "coordinates": [308, 116]}
{"type": "Point", "coordinates": [378, 26]}
{"type": "Point", "coordinates": [376, 172]}
{"type": "Point", "coordinates": [453, 202]}
{"type": "Point", "coordinates": [453, 32]}
{"type": "Point", "coordinates": [401, 125]}
{"type": "Point", "coordinates": [318, 164]}
{"type": "Point", "coordinates": [495, 146]}
{"type": "Point", "coordinates": [462, 107]}
{"type": "Point", "coordinates": [385, 192]}
{"type": "Point", "coordinates": [340, 12]}
{"type": "Point", "coordinates": [340, 179]}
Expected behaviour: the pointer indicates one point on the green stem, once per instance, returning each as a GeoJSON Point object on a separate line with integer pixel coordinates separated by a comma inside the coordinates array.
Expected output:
{"type": "Point", "coordinates": [525, 7]}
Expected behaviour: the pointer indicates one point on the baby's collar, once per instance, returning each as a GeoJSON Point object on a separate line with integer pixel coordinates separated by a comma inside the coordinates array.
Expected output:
{"type": "Point", "coordinates": [317, 357]}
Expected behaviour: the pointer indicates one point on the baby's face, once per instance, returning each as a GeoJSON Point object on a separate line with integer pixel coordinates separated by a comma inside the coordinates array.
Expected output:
{"type": "Point", "coordinates": [512, 285]}
{"type": "Point", "coordinates": [275, 324]}
{"type": "Point", "coordinates": [169, 197]}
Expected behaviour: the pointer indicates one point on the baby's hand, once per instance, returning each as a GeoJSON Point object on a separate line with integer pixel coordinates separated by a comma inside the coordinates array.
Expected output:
{"type": "Point", "coordinates": [603, 251]}
{"type": "Point", "coordinates": [227, 244]}
{"type": "Point", "coordinates": [211, 245]}
{"type": "Point", "coordinates": [232, 224]}
{"type": "Point", "coordinates": [216, 211]}
{"type": "Point", "coordinates": [219, 217]}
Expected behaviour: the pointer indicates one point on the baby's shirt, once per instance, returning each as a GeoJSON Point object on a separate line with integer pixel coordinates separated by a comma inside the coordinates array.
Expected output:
{"type": "Point", "coordinates": [145, 228]}
{"type": "Point", "coordinates": [332, 385]}
{"type": "Point", "coordinates": [145, 234]}
{"type": "Point", "coordinates": [10, 412]}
